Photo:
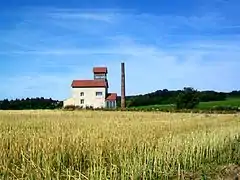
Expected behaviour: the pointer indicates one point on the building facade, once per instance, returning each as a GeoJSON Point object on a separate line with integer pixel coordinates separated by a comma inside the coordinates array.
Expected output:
{"type": "Point", "coordinates": [92, 93]}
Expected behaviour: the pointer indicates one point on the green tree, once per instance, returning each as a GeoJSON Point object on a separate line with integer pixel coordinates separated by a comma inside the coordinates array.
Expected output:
{"type": "Point", "coordinates": [187, 99]}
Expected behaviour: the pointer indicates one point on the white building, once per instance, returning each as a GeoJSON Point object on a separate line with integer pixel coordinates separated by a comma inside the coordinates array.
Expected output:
{"type": "Point", "coordinates": [92, 93]}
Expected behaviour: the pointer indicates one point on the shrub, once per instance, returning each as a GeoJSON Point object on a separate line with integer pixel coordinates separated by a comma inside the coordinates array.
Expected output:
{"type": "Point", "coordinates": [187, 99]}
{"type": "Point", "coordinates": [69, 107]}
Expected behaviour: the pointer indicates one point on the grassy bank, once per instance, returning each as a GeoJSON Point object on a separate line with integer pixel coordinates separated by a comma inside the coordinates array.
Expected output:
{"type": "Point", "coordinates": [230, 102]}
{"type": "Point", "coordinates": [115, 145]}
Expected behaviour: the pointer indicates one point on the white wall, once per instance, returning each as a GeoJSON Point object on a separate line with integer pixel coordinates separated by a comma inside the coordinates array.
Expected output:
{"type": "Point", "coordinates": [68, 102]}
{"type": "Point", "coordinates": [90, 98]}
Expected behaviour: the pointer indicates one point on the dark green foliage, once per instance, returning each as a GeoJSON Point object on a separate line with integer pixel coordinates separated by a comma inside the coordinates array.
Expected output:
{"type": "Point", "coordinates": [158, 97]}
{"type": "Point", "coordinates": [234, 94]}
{"type": "Point", "coordinates": [206, 96]}
{"type": "Point", "coordinates": [226, 108]}
{"type": "Point", "coordinates": [187, 99]}
{"type": "Point", "coordinates": [162, 97]}
{"type": "Point", "coordinates": [33, 103]}
{"type": "Point", "coordinates": [170, 97]}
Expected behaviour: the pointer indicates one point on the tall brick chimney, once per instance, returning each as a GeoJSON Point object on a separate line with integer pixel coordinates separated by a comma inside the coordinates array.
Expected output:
{"type": "Point", "coordinates": [123, 101]}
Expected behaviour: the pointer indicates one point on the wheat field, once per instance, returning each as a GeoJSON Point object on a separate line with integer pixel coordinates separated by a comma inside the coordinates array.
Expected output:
{"type": "Point", "coordinates": [116, 145]}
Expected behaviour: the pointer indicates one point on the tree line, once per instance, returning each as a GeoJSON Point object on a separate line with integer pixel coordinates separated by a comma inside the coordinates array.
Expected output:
{"type": "Point", "coordinates": [30, 103]}
{"type": "Point", "coordinates": [161, 97]}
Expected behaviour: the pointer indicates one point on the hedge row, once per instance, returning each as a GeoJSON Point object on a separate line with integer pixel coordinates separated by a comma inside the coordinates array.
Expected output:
{"type": "Point", "coordinates": [213, 110]}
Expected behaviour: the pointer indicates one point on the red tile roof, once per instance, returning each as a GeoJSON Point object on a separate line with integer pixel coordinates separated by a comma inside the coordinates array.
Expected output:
{"type": "Point", "coordinates": [100, 70]}
{"type": "Point", "coordinates": [112, 97]}
{"type": "Point", "coordinates": [89, 83]}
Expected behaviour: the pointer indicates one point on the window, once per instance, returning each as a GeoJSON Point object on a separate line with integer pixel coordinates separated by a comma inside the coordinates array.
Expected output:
{"type": "Point", "coordinates": [98, 93]}
{"type": "Point", "coordinates": [82, 94]}
{"type": "Point", "coordinates": [82, 101]}
{"type": "Point", "coordinates": [98, 76]}
{"type": "Point", "coordinates": [111, 104]}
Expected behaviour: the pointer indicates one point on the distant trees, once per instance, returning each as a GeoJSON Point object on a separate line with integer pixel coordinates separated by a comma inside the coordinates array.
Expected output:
{"type": "Point", "coordinates": [170, 97]}
{"type": "Point", "coordinates": [187, 99]}
{"type": "Point", "coordinates": [158, 97]}
{"type": "Point", "coordinates": [234, 94]}
{"type": "Point", "coordinates": [206, 96]}
{"type": "Point", "coordinates": [33, 103]}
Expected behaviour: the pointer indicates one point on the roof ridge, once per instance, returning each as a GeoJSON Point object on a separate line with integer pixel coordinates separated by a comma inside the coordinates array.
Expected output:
{"type": "Point", "coordinates": [89, 83]}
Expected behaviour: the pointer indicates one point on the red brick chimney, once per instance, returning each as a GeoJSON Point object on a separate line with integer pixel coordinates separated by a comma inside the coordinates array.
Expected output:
{"type": "Point", "coordinates": [123, 101]}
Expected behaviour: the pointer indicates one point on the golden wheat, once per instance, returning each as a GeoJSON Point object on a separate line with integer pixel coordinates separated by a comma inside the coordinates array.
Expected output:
{"type": "Point", "coordinates": [114, 145]}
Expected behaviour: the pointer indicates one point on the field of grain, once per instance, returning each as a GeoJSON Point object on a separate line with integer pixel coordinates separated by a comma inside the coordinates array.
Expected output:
{"type": "Point", "coordinates": [116, 145]}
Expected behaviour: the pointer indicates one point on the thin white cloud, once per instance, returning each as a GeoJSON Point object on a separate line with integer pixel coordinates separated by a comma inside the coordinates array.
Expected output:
{"type": "Point", "coordinates": [159, 52]}
{"type": "Point", "coordinates": [147, 71]}
{"type": "Point", "coordinates": [87, 16]}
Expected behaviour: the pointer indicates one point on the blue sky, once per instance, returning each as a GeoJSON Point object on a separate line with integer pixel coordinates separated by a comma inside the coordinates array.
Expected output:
{"type": "Point", "coordinates": [165, 44]}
